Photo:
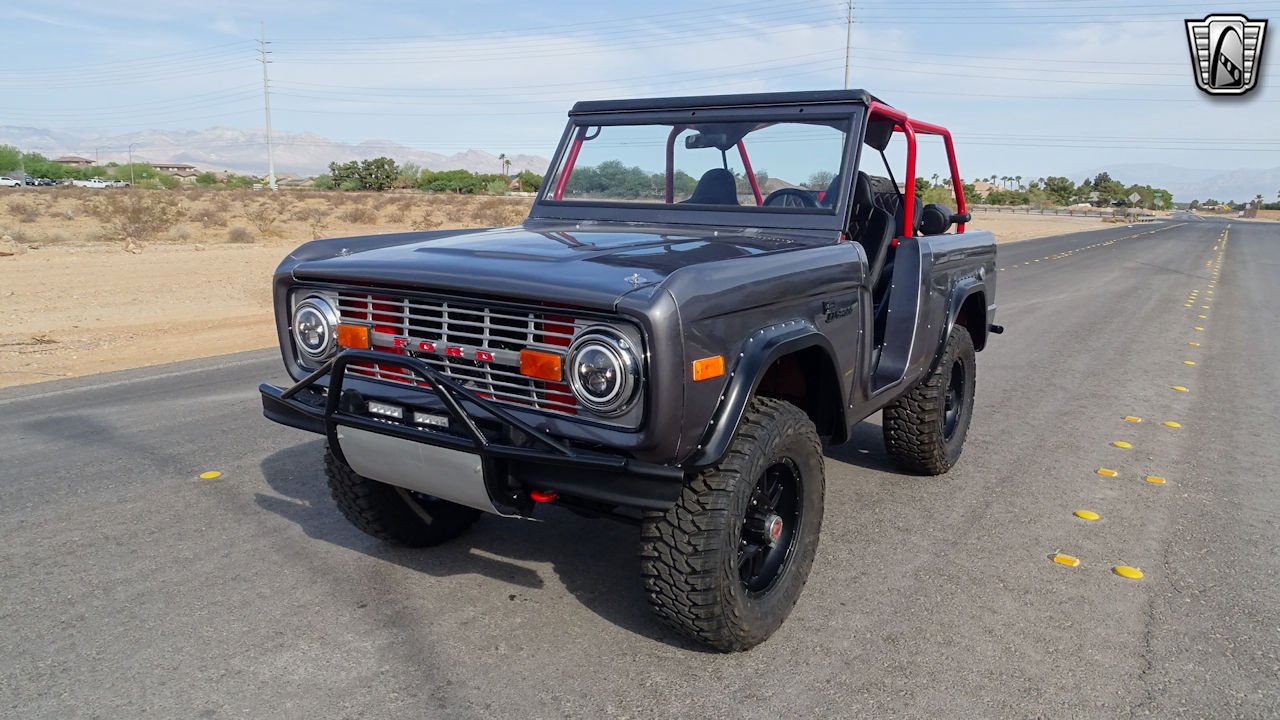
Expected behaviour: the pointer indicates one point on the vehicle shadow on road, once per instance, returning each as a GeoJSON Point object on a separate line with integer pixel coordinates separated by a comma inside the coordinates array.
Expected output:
{"type": "Point", "coordinates": [597, 561]}
{"type": "Point", "coordinates": [864, 449]}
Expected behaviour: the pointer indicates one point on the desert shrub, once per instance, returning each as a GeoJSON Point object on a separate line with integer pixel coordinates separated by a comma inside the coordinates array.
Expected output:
{"type": "Point", "coordinates": [240, 234]}
{"type": "Point", "coordinates": [359, 215]}
{"type": "Point", "coordinates": [18, 235]}
{"type": "Point", "coordinates": [179, 234]}
{"type": "Point", "coordinates": [24, 211]}
{"type": "Point", "coordinates": [429, 220]}
{"type": "Point", "coordinates": [317, 220]}
{"type": "Point", "coordinates": [211, 219]}
{"type": "Point", "coordinates": [262, 217]}
{"type": "Point", "coordinates": [140, 215]}
{"type": "Point", "coordinates": [63, 214]}
{"type": "Point", "coordinates": [396, 217]}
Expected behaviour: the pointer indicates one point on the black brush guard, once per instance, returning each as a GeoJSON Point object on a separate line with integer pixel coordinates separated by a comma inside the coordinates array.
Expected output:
{"type": "Point", "coordinates": [550, 465]}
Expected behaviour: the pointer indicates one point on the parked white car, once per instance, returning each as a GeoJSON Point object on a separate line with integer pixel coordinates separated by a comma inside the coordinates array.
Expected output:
{"type": "Point", "coordinates": [94, 183]}
{"type": "Point", "coordinates": [7, 181]}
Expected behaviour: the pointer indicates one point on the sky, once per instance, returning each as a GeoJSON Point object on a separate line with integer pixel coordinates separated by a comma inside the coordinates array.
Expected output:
{"type": "Point", "coordinates": [1028, 88]}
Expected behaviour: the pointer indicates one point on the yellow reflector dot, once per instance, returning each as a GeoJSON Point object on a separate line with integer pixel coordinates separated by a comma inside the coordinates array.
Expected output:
{"type": "Point", "coordinates": [1121, 444]}
{"type": "Point", "coordinates": [1179, 388]}
{"type": "Point", "coordinates": [1203, 317]}
{"type": "Point", "coordinates": [1132, 418]}
{"type": "Point", "coordinates": [1086, 515]}
{"type": "Point", "coordinates": [1188, 362]}
{"type": "Point", "coordinates": [1194, 343]}
{"type": "Point", "coordinates": [1200, 328]}
{"type": "Point", "coordinates": [1172, 424]}
{"type": "Point", "coordinates": [1132, 573]}
{"type": "Point", "coordinates": [1064, 559]}
{"type": "Point", "coordinates": [1204, 307]}
{"type": "Point", "coordinates": [210, 475]}
{"type": "Point", "coordinates": [1154, 479]}
{"type": "Point", "coordinates": [1108, 472]}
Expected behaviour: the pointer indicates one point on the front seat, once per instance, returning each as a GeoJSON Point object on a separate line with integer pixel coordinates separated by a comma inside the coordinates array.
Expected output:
{"type": "Point", "coordinates": [716, 187]}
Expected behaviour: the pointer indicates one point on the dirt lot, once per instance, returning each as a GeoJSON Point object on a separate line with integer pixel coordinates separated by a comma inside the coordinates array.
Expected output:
{"type": "Point", "coordinates": [196, 283]}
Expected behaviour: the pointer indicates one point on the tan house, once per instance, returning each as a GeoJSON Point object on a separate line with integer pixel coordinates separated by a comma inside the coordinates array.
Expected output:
{"type": "Point", "coordinates": [74, 161]}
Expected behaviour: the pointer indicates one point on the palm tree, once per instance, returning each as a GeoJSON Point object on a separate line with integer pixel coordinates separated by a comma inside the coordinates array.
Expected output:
{"type": "Point", "coordinates": [1019, 179]}
{"type": "Point", "coordinates": [935, 179]}
{"type": "Point", "coordinates": [506, 164]}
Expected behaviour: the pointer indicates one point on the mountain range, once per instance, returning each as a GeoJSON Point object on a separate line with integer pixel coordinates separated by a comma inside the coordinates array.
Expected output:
{"type": "Point", "coordinates": [1187, 184]}
{"type": "Point", "coordinates": [243, 150]}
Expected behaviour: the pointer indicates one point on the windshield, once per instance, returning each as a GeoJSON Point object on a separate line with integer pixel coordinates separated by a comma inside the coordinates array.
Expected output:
{"type": "Point", "coordinates": [761, 166]}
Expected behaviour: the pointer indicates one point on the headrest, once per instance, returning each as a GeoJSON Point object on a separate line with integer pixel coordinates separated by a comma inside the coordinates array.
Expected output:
{"type": "Point", "coordinates": [863, 201]}
{"type": "Point", "coordinates": [715, 187]}
{"type": "Point", "coordinates": [935, 219]}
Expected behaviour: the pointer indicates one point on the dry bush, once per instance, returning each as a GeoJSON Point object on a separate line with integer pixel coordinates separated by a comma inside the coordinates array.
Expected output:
{"type": "Point", "coordinates": [262, 217]}
{"type": "Point", "coordinates": [23, 210]}
{"type": "Point", "coordinates": [140, 214]}
{"type": "Point", "coordinates": [179, 234]}
{"type": "Point", "coordinates": [240, 234]}
{"type": "Point", "coordinates": [18, 235]}
{"type": "Point", "coordinates": [498, 212]}
{"type": "Point", "coordinates": [429, 220]}
{"type": "Point", "coordinates": [63, 214]}
{"type": "Point", "coordinates": [359, 215]}
{"type": "Point", "coordinates": [221, 203]}
{"type": "Point", "coordinates": [396, 217]}
{"type": "Point", "coordinates": [317, 220]}
{"type": "Point", "coordinates": [211, 219]}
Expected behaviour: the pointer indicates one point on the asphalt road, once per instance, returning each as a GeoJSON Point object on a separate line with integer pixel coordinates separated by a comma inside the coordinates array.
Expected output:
{"type": "Point", "coordinates": [133, 588]}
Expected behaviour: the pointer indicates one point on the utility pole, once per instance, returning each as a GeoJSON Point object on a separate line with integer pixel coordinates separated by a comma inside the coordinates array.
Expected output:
{"type": "Point", "coordinates": [266, 96]}
{"type": "Point", "coordinates": [848, 43]}
{"type": "Point", "coordinates": [132, 182]}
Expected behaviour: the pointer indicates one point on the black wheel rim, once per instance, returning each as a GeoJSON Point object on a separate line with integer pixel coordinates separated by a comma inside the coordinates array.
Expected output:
{"type": "Point", "coordinates": [770, 527]}
{"type": "Point", "coordinates": [953, 401]}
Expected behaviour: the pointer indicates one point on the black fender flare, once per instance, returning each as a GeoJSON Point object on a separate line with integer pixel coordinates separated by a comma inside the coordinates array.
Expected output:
{"type": "Point", "coordinates": [758, 353]}
{"type": "Point", "coordinates": [960, 294]}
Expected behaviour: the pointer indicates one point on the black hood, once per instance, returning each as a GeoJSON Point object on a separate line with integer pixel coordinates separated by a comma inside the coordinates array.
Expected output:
{"type": "Point", "coordinates": [587, 265]}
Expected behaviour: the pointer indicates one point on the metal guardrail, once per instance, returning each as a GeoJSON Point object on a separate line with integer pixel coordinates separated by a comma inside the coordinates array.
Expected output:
{"type": "Point", "coordinates": [1023, 210]}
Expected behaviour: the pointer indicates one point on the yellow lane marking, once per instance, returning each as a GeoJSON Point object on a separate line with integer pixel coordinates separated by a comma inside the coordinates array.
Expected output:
{"type": "Point", "coordinates": [1108, 472]}
{"type": "Point", "coordinates": [1122, 444]}
{"type": "Point", "coordinates": [1132, 573]}
{"type": "Point", "coordinates": [1188, 362]}
{"type": "Point", "coordinates": [1172, 424]}
{"type": "Point", "coordinates": [1154, 479]}
{"type": "Point", "coordinates": [1086, 515]}
{"type": "Point", "coordinates": [1068, 560]}
{"type": "Point", "coordinates": [1203, 317]}
{"type": "Point", "coordinates": [1179, 388]}
{"type": "Point", "coordinates": [1132, 418]}
{"type": "Point", "coordinates": [1194, 343]}
{"type": "Point", "coordinates": [1199, 328]}
{"type": "Point", "coordinates": [210, 475]}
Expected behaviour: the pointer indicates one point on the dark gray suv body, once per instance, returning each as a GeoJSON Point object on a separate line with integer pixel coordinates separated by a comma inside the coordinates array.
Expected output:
{"type": "Point", "coordinates": [608, 353]}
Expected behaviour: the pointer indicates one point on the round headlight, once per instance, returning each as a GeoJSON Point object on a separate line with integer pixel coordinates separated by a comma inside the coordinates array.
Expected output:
{"type": "Point", "coordinates": [603, 371]}
{"type": "Point", "coordinates": [314, 323]}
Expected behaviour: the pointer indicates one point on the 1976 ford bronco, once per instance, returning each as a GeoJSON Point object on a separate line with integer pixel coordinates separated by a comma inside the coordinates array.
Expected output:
{"type": "Point", "coordinates": [667, 339]}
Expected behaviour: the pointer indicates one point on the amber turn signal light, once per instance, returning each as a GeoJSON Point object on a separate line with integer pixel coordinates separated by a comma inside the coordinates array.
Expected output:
{"type": "Point", "coordinates": [544, 366]}
{"type": "Point", "coordinates": [353, 336]}
{"type": "Point", "coordinates": [707, 368]}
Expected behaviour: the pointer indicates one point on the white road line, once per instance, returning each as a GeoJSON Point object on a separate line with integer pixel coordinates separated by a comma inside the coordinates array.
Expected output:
{"type": "Point", "coordinates": [130, 381]}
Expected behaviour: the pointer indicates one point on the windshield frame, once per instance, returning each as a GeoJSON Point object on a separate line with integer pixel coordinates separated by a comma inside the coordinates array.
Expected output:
{"type": "Point", "coordinates": [545, 207]}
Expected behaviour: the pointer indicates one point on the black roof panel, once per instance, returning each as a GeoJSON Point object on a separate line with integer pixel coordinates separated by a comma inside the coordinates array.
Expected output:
{"type": "Point", "coordinates": [808, 97]}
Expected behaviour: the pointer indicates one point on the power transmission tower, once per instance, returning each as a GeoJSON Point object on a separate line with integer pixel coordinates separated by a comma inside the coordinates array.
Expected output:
{"type": "Point", "coordinates": [266, 96]}
{"type": "Point", "coordinates": [848, 43]}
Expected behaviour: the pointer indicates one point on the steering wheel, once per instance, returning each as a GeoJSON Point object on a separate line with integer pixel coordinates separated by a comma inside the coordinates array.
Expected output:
{"type": "Point", "coordinates": [790, 197]}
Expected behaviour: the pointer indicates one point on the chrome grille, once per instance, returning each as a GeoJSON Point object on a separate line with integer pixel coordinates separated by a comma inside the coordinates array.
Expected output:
{"type": "Point", "coordinates": [468, 341]}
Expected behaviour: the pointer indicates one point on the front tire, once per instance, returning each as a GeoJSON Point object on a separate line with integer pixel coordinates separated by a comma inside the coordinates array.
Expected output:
{"type": "Point", "coordinates": [393, 514]}
{"type": "Point", "coordinates": [924, 430]}
{"type": "Point", "coordinates": [726, 564]}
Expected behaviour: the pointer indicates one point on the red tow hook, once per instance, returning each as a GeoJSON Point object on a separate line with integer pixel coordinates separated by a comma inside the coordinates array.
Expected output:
{"type": "Point", "coordinates": [543, 495]}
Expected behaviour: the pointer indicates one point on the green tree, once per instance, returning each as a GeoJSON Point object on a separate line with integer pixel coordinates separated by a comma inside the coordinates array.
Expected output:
{"type": "Point", "coordinates": [820, 180]}
{"type": "Point", "coordinates": [322, 182]}
{"type": "Point", "coordinates": [207, 179]}
{"type": "Point", "coordinates": [379, 174]}
{"type": "Point", "coordinates": [10, 158]}
{"type": "Point", "coordinates": [922, 186]}
{"type": "Point", "coordinates": [529, 182]}
{"type": "Point", "coordinates": [1061, 190]}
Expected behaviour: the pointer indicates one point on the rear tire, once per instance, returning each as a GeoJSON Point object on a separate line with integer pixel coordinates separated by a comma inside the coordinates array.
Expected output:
{"type": "Point", "coordinates": [726, 564]}
{"type": "Point", "coordinates": [924, 430]}
{"type": "Point", "coordinates": [393, 514]}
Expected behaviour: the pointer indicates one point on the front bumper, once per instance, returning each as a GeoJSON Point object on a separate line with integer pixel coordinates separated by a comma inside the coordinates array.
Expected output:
{"type": "Point", "coordinates": [516, 457]}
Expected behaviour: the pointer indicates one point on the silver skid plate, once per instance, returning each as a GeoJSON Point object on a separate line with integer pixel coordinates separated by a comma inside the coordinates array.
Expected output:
{"type": "Point", "coordinates": [447, 474]}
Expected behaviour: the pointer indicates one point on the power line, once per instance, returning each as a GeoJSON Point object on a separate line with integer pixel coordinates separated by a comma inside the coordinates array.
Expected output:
{"type": "Point", "coordinates": [266, 98]}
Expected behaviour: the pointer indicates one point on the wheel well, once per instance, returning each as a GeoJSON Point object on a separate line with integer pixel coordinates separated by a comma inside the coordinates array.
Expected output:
{"type": "Point", "coordinates": [973, 317]}
{"type": "Point", "coordinates": [807, 379]}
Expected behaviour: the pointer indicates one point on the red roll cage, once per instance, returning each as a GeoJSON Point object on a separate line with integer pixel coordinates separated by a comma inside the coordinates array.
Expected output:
{"type": "Point", "coordinates": [877, 111]}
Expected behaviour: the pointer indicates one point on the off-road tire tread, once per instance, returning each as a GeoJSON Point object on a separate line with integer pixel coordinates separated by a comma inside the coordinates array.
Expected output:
{"type": "Point", "coordinates": [679, 547]}
{"type": "Point", "coordinates": [379, 510]}
{"type": "Point", "coordinates": [913, 423]}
